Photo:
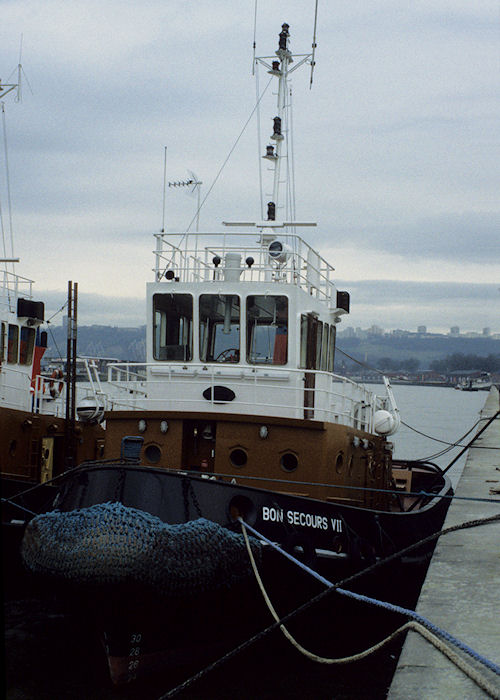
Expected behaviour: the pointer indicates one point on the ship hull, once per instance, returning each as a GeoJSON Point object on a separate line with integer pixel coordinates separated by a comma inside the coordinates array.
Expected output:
{"type": "Point", "coordinates": [153, 613]}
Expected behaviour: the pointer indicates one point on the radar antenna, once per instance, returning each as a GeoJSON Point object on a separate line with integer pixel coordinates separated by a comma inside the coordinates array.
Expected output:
{"type": "Point", "coordinates": [194, 185]}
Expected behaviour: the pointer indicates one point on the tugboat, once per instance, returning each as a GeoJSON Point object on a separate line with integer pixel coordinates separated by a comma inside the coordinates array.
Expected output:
{"type": "Point", "coordinates": [237, 413]}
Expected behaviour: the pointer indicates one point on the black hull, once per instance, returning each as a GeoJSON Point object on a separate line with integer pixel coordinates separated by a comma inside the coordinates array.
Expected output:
{"type": "Point", "coordinates": [145, 627]}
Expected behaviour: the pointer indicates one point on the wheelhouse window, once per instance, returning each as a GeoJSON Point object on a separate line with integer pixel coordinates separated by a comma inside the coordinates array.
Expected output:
{"type": "Point", "coordinates": [267, 330]}
{"type": "Point", "coordinates": [12, 344]}
{"type": "Point", "coordinates": [173, 327]}
{"type": "Point", "coordinates": [219, 328]}
{"type": "Point", "coordinates": [26, 346]}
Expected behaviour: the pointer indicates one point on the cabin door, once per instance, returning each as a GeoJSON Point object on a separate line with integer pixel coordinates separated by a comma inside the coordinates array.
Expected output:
{"type": "Point", "coordinates": [198, 448]}
{"type": "Point", "coordinates": [311, 363]}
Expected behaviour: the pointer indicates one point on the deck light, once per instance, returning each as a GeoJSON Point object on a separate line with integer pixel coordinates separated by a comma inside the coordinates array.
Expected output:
{"type": "Point", "coordinates": [249, 262]}
{"type": "Point", "coordinates": [163, 426]}
{"type": "Point", "coordinates": [170, 274]}
{"type": "Point", "coordinates": [263, 432]}
{"type": "Point", "coordinates": [141, 426]}
{"type": "Point", "coordinates": [216, 261]}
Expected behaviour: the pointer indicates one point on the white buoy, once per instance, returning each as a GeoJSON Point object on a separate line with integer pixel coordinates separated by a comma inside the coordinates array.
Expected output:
{"type": "Point", "coordinates": [383, 422]}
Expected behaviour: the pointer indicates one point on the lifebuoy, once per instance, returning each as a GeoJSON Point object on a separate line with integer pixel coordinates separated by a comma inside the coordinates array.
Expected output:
{"type": "Point", "coordinates": [55, 391]}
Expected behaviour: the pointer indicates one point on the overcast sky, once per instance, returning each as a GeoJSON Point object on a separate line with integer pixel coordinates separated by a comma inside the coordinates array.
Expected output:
{"type": "Point", "coordinates": [396, 146]}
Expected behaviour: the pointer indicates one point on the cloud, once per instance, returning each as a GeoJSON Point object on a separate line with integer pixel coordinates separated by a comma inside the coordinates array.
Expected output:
{"type": "Point", "coordinates": [95, 309]}
{"type": "Point", "coordinates": [437, 305]}
{"type": "Point", "coordinates": [395, 146]}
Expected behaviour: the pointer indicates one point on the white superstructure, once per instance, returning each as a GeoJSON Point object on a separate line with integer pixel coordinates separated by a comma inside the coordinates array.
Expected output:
{"type": "Point", "coordinates": [246, 322]}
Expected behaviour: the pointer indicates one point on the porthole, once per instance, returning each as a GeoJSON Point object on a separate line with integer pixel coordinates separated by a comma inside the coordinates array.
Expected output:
{"type": "Point", "coordinates": [238, 457]}
{"type": "Point", "coordinates": [289, 462]}
{"type": "Point", "coordinates": [152, 453]}
{"type": "Point", "coordinates": [339, 463]}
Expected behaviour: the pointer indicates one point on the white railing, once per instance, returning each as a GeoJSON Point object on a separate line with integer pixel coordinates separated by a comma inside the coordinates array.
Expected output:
{"type": "Point", "coordinates": [190, 259]}
{"type": "Point", "coordinates": [11, 287]}
{"type": "Point", "coordinates": [258, 391]}
{"type": "Point", "coordinates": [49, 394]}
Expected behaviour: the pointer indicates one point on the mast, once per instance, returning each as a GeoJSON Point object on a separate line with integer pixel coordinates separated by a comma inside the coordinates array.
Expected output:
{"type": "Point", "coordinates": [71, 351]}
{"type": "Point", "coordinates": [285, 57]}
{"type": "Point", "coordinates": [277, 150]}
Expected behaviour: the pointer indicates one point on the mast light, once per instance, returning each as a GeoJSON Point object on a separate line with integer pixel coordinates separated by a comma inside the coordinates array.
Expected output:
{"type": "Point", "coordinates": [270, 154]}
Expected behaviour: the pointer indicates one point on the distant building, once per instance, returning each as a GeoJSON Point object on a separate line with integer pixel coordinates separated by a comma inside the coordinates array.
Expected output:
{"type": "Point", "coordinates": [349, 332]}
{"type": "Point", "coordinates": [376, 330]}
{"type": "Point", "coordinates": [422, 329]}
{"type": "Point", "coordinates": [487, 331]}
{"type": "Point", "coordinates": [455, 331]}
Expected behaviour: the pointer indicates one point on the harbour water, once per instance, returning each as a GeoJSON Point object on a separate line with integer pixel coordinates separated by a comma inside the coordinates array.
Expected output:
{"type": "Point", "coordinates": [442, 413]}
{"type": "Point", "coordinates": [50, 655]}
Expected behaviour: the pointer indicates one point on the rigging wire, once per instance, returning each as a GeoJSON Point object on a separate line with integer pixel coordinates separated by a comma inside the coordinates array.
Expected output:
{"type": "Point", "coordinates": [254, 38]}
{"type": "Point", "coordinates": [292, 161]}
{"type": "Point", "coordinates": [7, 175]}
{"type": "Point", "coordinates": [314, 45]}
{"type": "Point", "coordinates": [164, 189]}
{"type": "Point", "coordinates": [57, 312]}
{"type": "Point", "coordinates": [259, 138]}
{"type": "Point", "coordinates": [55, 343]}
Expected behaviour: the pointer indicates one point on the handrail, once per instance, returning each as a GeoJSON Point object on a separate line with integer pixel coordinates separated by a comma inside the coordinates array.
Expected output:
{"type": "Point", "coordinates": [304, 268]}
{"type": "Point", "coordinates": [142, 385]}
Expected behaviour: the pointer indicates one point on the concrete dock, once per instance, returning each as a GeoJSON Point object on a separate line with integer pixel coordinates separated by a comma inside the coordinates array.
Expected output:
{"type": "Point", "coordinates": [461, 593]}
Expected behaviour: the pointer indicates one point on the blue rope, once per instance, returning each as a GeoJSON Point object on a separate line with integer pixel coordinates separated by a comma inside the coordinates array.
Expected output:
{"type": "Point", "coordinates": [388, 606]}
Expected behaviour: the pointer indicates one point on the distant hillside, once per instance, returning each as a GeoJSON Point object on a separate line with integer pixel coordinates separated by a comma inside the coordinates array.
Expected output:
{"type": "Point", "coordinates": [126, 344]}
{"type": "Point", "coordinates": [130, 344]}
{"type": "Point", "coordinates": [424, 348]}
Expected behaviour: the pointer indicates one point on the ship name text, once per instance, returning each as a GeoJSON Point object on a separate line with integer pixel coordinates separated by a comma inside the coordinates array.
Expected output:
{"type": "Point", "coordinates": [295, 517]}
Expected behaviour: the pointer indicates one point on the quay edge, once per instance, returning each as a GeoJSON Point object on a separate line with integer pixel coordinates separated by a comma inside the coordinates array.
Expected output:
{"type": "Point", "coordinates": [461, 592]}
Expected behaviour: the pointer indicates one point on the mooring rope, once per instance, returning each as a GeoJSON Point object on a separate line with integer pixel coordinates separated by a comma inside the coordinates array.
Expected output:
{"type": "Point", "coordinates": [316, 599]}
{"type": "Point", "coordinates": [440, 644]}
{"type": "Point", "coordinates": [379, 603]}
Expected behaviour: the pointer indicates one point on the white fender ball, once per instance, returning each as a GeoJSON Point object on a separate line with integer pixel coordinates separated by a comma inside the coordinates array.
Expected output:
{"type": "Point", "coordinates": [383, 422]}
